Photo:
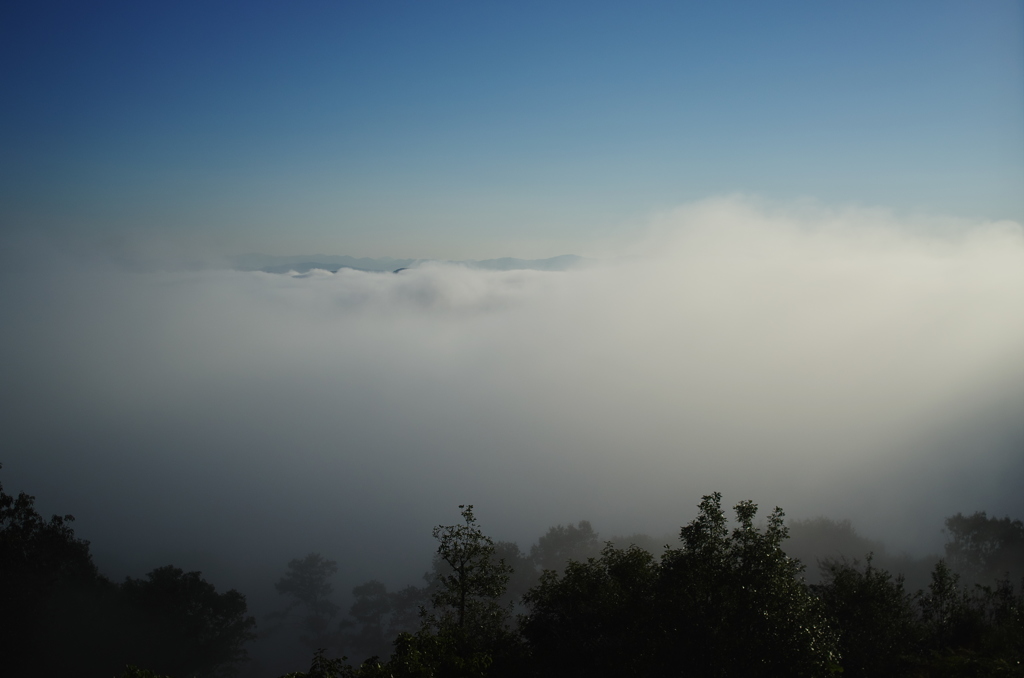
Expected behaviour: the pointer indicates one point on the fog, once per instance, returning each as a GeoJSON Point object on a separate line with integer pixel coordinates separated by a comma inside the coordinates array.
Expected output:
{"type": "Point", "coordinates": [847, 363]}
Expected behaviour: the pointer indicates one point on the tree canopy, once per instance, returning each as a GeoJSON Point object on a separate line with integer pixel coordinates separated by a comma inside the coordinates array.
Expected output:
{"type": "Point", "coordinates": [183, 626]}
{"type": "Point", "coordinates": [724, 603]}
{"type": "Point", "coordinates": [307, 583]}
{"type": "Point", "coordinates": [726, 600]}
{"type": "Point", "coordinates": [61, 617]}
{"type": "Point", "coordinates": [985, 549]}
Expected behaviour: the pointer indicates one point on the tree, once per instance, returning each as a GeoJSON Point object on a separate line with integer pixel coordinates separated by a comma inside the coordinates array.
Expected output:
{"type": "Point", "coordinates": [378, 616]}
{"type": "Point", "coordinates": [184, 627]}
{"type": "Point", "coordinates": [323, 667]}
{"type": "Point", "coordinates": [466, 633]}
{"type": "Point", "coordinates": [61, 617]}
{"type": "Point", "coordinates": [875, 616]}
{"type": "Point", "coordinates": [407, 606]}
{"type": "Point", "coordinates": [522, 575]}
{"type": "Point", "coordinates": [595, 618]}
{"type": "Point", "coordinates": [738, 603]}
{"type": "Point", "coordinates": [470, 582]}
{"type": "Point", "coordinates": [42, 567]}
{"type": "Point", "coordinates": [983, 549]}
{"type": "Point", "coordinates": [1004, 613]}
{"type": "Point", "coordinates": [565, 543]}
{"type": "Point", "coordinates": [947, 612]}
{"type": "Point", "coordinates": [370, 610]}
{"type": "Point", "coordinates": [975, 633]}
{"type": "Point", "coordinates": [727, 602]}
{"type": "Point", "coordinates": [307, 582]}
{"type": "Point", "coordinates": [822, 539]}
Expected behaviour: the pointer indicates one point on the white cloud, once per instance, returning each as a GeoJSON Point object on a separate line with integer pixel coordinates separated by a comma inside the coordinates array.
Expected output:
{"type": "Point", "coordinates": [827, 361]}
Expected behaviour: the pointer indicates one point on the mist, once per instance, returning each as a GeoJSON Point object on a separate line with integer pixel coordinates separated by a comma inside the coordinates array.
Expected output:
{"type": "Point", "coordinates": [848, 363]}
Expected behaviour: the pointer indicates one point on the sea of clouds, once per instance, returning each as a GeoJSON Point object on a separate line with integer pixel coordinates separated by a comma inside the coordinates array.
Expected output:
{"type": "Point", "coordinates": [847, 363]}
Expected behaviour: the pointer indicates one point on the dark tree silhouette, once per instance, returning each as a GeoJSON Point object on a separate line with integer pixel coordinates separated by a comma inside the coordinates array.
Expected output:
{"type": "Point", "coordinates": [725, 603]}
{"type": "Point", "coordinates": [58, 616]}
{"type": "Point", "coordinates": [184, 627]}
{"type": "Point", "coordinates": [876, 618]}
{"type": "Point", "coordinates": [565, 543]}
{"type": "Point", "coordinates": [523, 575]}
{"type": "Point", "coordinates": [41, 562]}
{"type": "Point", "coordinates": [472, 581]}
{"type": "Point", "coordinates": [983, 549]}
{"type": "Point", "coordinates": [307, 582]}
{"type": "Point", "coordinates": [594, 620]}
{"type": "Point", "coordinates": [369, 633]}
{"type": "Point", "coordinates": [466, 633]}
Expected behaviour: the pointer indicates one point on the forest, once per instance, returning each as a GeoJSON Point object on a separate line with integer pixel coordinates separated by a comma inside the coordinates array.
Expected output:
{"type": "Point", "coordinates": [731, 597]}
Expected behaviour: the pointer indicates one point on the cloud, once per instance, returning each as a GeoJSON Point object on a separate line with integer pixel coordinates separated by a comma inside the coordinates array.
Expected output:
{"type": "Point", "coordinates": [845, 362]}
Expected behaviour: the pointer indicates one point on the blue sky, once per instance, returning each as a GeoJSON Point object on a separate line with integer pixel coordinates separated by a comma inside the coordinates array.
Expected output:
{"type": "Point", "coordinates": [771, 334]}
{"type": "Point", "coordinates": [479, 129]}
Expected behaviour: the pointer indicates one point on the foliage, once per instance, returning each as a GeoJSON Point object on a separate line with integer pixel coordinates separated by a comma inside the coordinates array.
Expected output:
{"type": "Point", "coordinates": [874, 615]}
{"type": "Point", "coordinates": [323, 667]}
{"type": "Point", "coordinates": [725, 603]}
{"type": "Point", "coordinates": [307, 583]}
{"type": "Point", "coordinates": [983, 549]}
{"type": "Point", "coordinates": [28, 541]}
{"type": "Point", "coordinates": [1004, 615]}
{"type": "Point", "coordinates": [945, 610]}
{"type": "Point", "coordinates": [426, 654]}
{"type": "Point", "coordinates": [594, 619]}
{"type": "Point", "coordinates": [978, 633]}
{"type": "Point", "coordinates": [60, 617]}
{"type": "Point", "coordinates": [465, 634]}
{"type": "Point", "coordinates": [41, 562]}
{"type": "Point", "coordinates": [656, 546]}
{"type": "Point", "coordinates": [522, 575]}
{"type": "Point", "coordinates": [565, 543]}
{"type": "Point", "coordinates": [379, 616]}
{"type": "Point", "coordinates": [738, 603]}
{"type": "Point", "coordinates": [466, 601]}
{"type": "Point", "coordinates": [822, 539]}
{"type": "Point", "coordinates": [131, 671]}
{"type": "Point", "coordinates": [369, 634]}
{"type": "Point", "coordinates": [183, 626]}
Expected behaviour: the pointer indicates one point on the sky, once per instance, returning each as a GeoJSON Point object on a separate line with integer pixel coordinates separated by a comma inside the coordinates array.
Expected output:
{"type": "Point", "coordinates": [805, 232]}
{"type": "Point", "coordinates": [484, 129]}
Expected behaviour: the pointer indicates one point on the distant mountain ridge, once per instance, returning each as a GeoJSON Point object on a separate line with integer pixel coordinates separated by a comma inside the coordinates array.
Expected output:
{"type": "Point", "coordinates": [306, 262]}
